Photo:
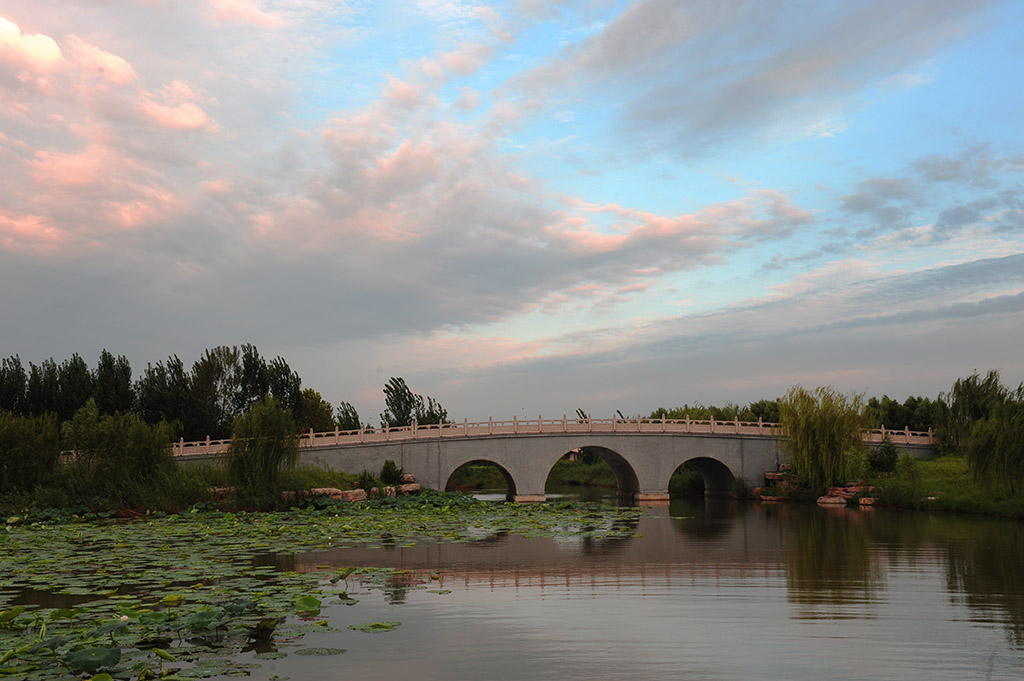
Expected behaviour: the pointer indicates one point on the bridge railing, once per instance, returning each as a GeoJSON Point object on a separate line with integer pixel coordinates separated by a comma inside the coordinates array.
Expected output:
{"type": "Point", "coordinates": [541, 426]}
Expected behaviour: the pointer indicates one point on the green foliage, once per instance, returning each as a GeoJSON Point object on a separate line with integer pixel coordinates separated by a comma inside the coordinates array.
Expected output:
{"type": "Point", "coordinates": [766, 410]}
{"type": "Point", "coordinates": [970, 400]}
{"type": "Point", "coordinates": [13, 383]}
{"type": "Point", "coordinates": [402, 406]}
{"type": "Point", "coordinates": [366, 481]}
{"type": "Point", "coordinates": [390, 474]}
{"type": "Point", "coordinates": [399, 404]}
{"type": "Point", "coordinates": [348, 417]}
{"type": "Point", "coordinates": [315, 412]}
{"type": "Point", "coordinates": [687, 482]}
{"type": "Point", "coordinates": [114, 453]}
{"type": "Point", "coordinates": [882, 459]}
{"type": "Point", "coordinates": [112, 388]}
{"type": "Point", "coordinates": [29, 448]}
{"type": "Point", "coordinates": [262, 443]}
{"type": "Point", "coordinates": [822, 434]}
{"type": "Point", "coordinates": [915, 413]}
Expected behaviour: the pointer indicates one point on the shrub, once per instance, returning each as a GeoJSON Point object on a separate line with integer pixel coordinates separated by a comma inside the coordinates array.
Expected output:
{"type": "Point", "coordinates": [390, 474]}
{"type": "Point", "coordinates": [366, 481]}
{"type": "Point", "coordinates": [882, 459]}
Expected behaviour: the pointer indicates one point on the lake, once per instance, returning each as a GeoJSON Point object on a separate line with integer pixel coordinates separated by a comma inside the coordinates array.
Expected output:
{"type": "Point", "coordinates": [714, 590]}
{"type": "Point", "coordinates": [708, 590]}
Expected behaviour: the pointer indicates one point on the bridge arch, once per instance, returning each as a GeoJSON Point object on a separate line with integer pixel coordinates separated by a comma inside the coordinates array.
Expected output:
{"type": "Point", "coordinates": [719, 480]}
{"type": "Point", "coordinates": [626, 480]}
{"type": "Point", "coordinates": [510, 483]}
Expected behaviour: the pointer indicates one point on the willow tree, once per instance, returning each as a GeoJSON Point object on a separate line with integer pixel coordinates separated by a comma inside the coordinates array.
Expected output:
{"type": "Point", "coordinates": [262, 443]}
{"type": "Point", "coordinates": [822, 434]}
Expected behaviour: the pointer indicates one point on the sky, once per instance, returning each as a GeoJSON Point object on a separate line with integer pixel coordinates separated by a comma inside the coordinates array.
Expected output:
{"type": "Point", "coordinates": [520, 207]}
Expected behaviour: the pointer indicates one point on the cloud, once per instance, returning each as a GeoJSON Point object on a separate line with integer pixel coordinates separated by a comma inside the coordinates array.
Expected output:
{"type": "Point", "coordinates": [706, 75]}
{"type": "Point", "coordinates": [109, 66]}
{"type": "Point", "coordinates": [34, 51]}
{"type": "Point", "coordinates": [244, 11]}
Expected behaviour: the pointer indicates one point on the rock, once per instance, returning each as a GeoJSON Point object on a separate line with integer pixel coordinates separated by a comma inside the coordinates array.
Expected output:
{"type": "Point", "coordinates": [408, 478]}
{"type": "Point", "coordinates": [411, 488]}
{"type": "Point", "coordinates": [829, 500]}
{"type": "Point", "coordinates": [332, 492]}
{"type": "Point", "coordinates": [867, 501]}
{"type": "Point", "coordinates": [771, 475]}
{"type": "Point", "coordinates": [221, 492]}
{"type": "Point", "coordinates": [354, 495]}
{"type": "Point", "coordinates": [770, 499]}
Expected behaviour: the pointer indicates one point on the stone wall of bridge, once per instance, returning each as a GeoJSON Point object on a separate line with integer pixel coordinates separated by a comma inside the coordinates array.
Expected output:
{"type": "Point", "coordinates": [643, 462]}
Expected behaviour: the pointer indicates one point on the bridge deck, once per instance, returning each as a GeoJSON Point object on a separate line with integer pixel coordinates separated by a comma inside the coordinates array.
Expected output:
{"type": "Point", "coordinates": [542, 426]}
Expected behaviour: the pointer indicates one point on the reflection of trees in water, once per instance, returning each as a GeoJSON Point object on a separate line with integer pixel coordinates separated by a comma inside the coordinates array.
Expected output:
{"type": "Point", "coordinates": [830, 563]}
{"type": "Point", "coordinates": [985, 572]}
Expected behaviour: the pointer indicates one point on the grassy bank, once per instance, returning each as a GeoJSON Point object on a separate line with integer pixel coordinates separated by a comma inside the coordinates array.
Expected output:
{"type": "Point", "coordinates": [945, 484]}
{"type": "Point", "coordinates": [171, 489]}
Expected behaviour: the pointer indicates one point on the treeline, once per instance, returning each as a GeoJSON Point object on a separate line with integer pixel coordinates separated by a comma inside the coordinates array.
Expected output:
{"type": "Point", "coordinates": [204, 399]}
{"type": "Point", "coordinates": [915, 413]}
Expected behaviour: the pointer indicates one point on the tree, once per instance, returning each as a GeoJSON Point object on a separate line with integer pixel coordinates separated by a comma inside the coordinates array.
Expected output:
{"type": "Point", "coordinates": [285, 384]}
{"type": "Point", "coordinates": [348, 417]}
{"type": "Point", "coordinates": [429, 411]}
{"type": "Point", "coordinates": [216, 377]}
{"type": "Point", "coordinates": [113, 384]}
{"type": "Point", "coordinates": [13, 382]}
{"type": "Point", "coordinates": [254, 380]}
{"type": "Point", "coordinates": [970, 400]}
{"type": "Point", "coordinates": [76, 386]}
{"type": "Point", "coordinates": [29, 450]}
{"type": "Point", "coordinates": [262, 443]}
{"type": "Point", "coordinates": [399, 404]}
{"type": "Point", "coordinates": [42, 392]}
{"type": "Point", "coordinates": [316, 412]}
{"type": "Point", "coordinates": [164, 393]}
{"type": "Point", "coordinates": [822, 434]}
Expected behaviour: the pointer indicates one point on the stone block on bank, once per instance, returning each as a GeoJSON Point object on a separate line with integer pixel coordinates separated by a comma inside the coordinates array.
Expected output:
{"type": "Point", "coordinates": [408, 478]}
{"type": "Point", "coordinates": [829, 500]}
{"type": "Point", "coordinates": [867, 501]}
{"type": "Point", "coordinates": [410, 488]}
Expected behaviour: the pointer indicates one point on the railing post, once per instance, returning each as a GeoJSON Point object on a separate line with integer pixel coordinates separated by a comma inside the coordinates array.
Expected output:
{"type": "Point", "coordinates": [490, 425]}
{"type": "Point", "coordinates": [883, 432]}
{"type": "Point", "coordinates": [737, 422]}
{"type": "Point", "coordinates": [663, 424]}
{"type": "Point", "coordinates": [906, 435]}
{"type": "Point", "coordinates": [638, 421]}
{"type": "Point", "coordinates": [515, 424]}
{"type": "Point", "coordinates": [387, 432]}
{"type": "Point", "coordinates": [311, 437]}
{"type": "Point", "coordinates": [362, 435]}
{"type": "Point", "coordinates": [687, 423]}
{"type": "Point", "coordinates": [540, 423]}
{"type": "Point", "coordinates": [565, 424]}
{"type": "Point", "coordinates": [207, 445]}
{"type": "Point", "coordinates": [413, 426]}
{"type": "Point", "coordinates": [613, 423]}
{"type": "Point", "coordinates": [760, 426]}
{"type": "Point", "coordinates": [337, 434]}
{"type": "Point", "coordinates": [465, 427]}
{"type": "Point", "coordinates": [181, 446]}
{"type": "Point", "coordinates": [712, 424]}
{"type": "Point", "coordinates": [590, 425]}
{"type": "Point", "coordinates": [931, 441]}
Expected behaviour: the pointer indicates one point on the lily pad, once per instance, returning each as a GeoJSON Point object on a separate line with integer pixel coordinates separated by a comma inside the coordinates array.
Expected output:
{"type": "Point", "coordinates": [320, 651]}
{"type": "Point", "coordinates": [375, 627]}
{"type": "Point", "coordinates": [92, 659]}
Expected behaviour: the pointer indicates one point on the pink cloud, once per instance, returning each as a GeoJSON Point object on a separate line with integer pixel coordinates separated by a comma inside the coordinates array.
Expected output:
{"type": "Point", "coordinates": [178, 110]}
{"type": "Point", "coordinates": [244, 11]}
{"type": "Point", "coordinates": [110, 66]}
{"type": "Point", "coordinates": [215, 187]}
{"type": "Point", "coordinates": [147, 206]}
{"type": "Point", "coordinates": [28, 232]}
{"type": "Point", "coordinates": [56, 169]}
{"type": "Point", "coordinates": [34, 51]}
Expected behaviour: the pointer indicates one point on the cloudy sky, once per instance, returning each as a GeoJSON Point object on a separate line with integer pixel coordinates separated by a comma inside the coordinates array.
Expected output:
{"type": "Point", "coordinates": [522, 207]}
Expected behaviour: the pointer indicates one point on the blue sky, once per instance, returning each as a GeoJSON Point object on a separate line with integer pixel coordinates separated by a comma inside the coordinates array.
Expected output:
{"type": "Point", "coordinates": [524, 206]}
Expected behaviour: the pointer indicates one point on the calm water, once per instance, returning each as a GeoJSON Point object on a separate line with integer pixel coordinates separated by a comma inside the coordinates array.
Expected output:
{"type": "Point", "coordinates": [709, 591]}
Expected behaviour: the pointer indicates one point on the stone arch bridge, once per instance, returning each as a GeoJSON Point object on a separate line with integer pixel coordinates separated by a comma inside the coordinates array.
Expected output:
{"type": "Point", "coordinates": [643, 453]}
